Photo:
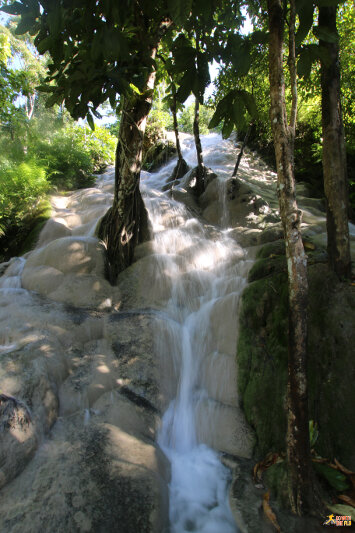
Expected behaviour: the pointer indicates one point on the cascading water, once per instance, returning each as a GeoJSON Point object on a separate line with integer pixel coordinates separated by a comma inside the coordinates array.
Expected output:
{"type": "Point", "coordinates": [198, 273]}
{"type": "Point", "coordinates": [207, 272]}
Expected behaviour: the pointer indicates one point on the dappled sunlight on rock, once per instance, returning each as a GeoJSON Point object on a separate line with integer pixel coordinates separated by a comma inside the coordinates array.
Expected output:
{"type": "Point", "coordinates": [103, 369]}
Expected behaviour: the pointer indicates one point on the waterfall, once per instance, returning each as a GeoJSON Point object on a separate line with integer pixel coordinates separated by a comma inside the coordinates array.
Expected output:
{"type": "Point", "coordinates": [207, 272]}
{"type": "Point", "coordinates": [56, 306]}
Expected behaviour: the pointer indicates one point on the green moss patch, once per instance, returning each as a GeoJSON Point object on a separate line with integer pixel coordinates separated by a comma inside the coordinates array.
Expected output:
{"type": "Point", "coordinates": [262, 356]}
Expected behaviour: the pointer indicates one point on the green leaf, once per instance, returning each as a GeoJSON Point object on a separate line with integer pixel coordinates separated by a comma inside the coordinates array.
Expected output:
{"type": "Point", "coordinates": [112, 99]}
{"type": "Point", "coordinates": [135, 89]}
{"type": "Point", "coordinates": [304, 64]}
{"type": "Point", "coordinates": [96, 114]}
{"type": "Point", "coordinates": [249, 102]}
{"type": "Point", "coordinates": [223, 109]}
{"type": "Point", "coordinates": [238, 110]}
{"type": "Point", "coordinates": [202, 76]}
{"type": "Point", "coordinates": [54, 99]}
{"type": "Point", "coordinates": [227, 128]}
{"type": "Point", "coordinates": [340, 509]}
{"type": "Point", "coordinates": [17, 8]}
{"type": "Point", "coordinates": [26, 23]}
{"type": "Point", "coordinates": [238, 53]}
{"type": "Point", "coordinates": [304, 10]}
{"type": "Point", "coordinates": [186, 85]}
{"type": "Point", "coordinates": [45, 88]}
{"type": "Point", "coordinates": [259, 37]}
{"type": "Point", "coordinates": [90, 120]}
{"type": "Point", "coordinates": [313, 433]}
{"type": "Point", "coordinates": [44, 45]}
{"type": "Point", "coordinates": [335, 478]}
{"type": "Point", "coordinates": [179, 10]}
{"type": "Point", "coordinates": [215, 120]}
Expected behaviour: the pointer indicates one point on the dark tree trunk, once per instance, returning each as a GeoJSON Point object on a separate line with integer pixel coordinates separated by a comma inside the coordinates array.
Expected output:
{"type": "Point", "coordinates": [334, 154]}
{"type": "Point", "coordinates": [176, 128]}
{"type": "Point", "coordinates": [126, 223]}
{"type": "Point", "coordinates": [200, 175]}
{"type": "Point", "coordinates": [181, 166]}
{"type": "Point", "coordinates": [298, 450]}
{"type": "Point", "coordinates": [241, 152]}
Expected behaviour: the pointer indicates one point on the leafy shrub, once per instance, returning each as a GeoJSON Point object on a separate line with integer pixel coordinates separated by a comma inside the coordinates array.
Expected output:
{"type": "Point", "coordinates": [21, 187]}
{"type": "Point", "coordinates": [186, 118]}
{"type": "Point", "coordinates": [72, 154]}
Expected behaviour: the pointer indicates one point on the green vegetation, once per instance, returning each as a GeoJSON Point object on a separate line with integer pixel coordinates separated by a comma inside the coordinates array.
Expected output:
{"type": "Point", "coordinates": [249, 72]}
{"type": "Point", "coordinates": [100, 53]}
{"type": "Point", "coordinates": [262, 360]}
{"type": "Point", "coordinates": [41, 150]}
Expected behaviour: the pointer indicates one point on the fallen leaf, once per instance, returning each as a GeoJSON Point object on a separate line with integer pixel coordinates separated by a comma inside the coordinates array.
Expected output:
{"type": "Point", "coordinates": [269, 513]}
{"type": "Point", "coordinates": [341, 509]}
{"type": "Point", "coordinates": [263, 465]}
{"type": "Point", "coordinates": [308, 245]}
{"type": "Point", "coordinates": [343, 468]}
{"type": "Point", "coordinates": [347, 499]}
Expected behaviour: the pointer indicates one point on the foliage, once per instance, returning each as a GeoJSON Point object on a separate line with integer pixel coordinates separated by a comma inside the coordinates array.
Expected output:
{"type": "Point", "coordinates": [21, 187]}
{"type": "Point", "coordinates": [336, 479]}
{"type": "Point", "coordinates": [73, 153]}
{"type": "Point", "coordinates": [99, 51]}
{"type": "Point", "coordinates": [186, 118]}
{"type": "Point", "coordinates": [346, 28]}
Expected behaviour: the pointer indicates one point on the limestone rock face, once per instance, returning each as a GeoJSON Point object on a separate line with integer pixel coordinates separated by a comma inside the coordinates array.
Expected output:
{"type": "Point", "coordinates": [53, 229]}
{"type": "Point", "coordinates": [69, 270]}
{"type": "Point", "coordinates": [19, 439]}
{"type": "Point", "coordinates": [86, 459]}
{"type": "Point", "coordinates": [262, 353]}
{"type": "Point", "coordinates": [231, 434]}
{"type": "Point", "coordinates": [92, 478]}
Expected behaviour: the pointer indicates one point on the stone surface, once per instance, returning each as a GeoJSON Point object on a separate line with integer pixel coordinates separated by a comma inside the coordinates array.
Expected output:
{"type": "Point", "coordinates": [18, 441]}
{"type": "Point", "coordinates": [231, 433]}
{"type": "Point", "coordinates": [92, 478]}
{"type": "Point", "coordinates": [69, 270]}
{"type": "Point", "coordinates": [262, 354]}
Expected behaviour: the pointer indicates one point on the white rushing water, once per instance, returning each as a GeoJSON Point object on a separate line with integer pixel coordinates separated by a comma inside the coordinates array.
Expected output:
{"type": "Point", "coordinates": [204, 272]}
{"type": "Point", "coordinates": [206, 269]}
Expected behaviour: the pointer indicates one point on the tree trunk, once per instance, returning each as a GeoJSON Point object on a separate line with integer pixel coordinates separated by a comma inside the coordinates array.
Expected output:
{"type": "Point", "coordinates": [126, 223]}
{"type": "Point", "coordinates": [200, 176]}
{"type": "Point", "coordinates": [176, 129]}
{"type": "Point", "coordinates": [334, 154]}
{"type": "Point", "coordinates": [240, 155]}
{"type": "Point", "coordinates": [181, 166]}
{"type": "Point", "coordinates": [298, 450]}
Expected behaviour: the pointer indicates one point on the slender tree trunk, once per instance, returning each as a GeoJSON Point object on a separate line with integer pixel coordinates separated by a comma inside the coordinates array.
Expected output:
{"type": "Point", "coordinates": [181, 166]}
{"type": "Point", "coordinates": [176, 129]}
{"type": "Point", "coordinates": [30, 105]}
{"type": "Point", "coordinates": [240, 155]}
{"type": "Point", "coordinates": [334, 154]}
{"type": "Point", "coordinates": [126, 223]}
{"type": "Point", "coordinates": [298, 450]}
{"type": "Point", "coordinates": [200, 176]}
{"type": "Point", "coordinates": [293, 78]}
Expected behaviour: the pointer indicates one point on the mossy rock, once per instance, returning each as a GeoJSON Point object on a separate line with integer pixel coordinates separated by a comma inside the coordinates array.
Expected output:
{"type": "Point", "coordinates": [331, 368]}
{"type": "Point", "coordinates": [276, 479]}
{"type": "Point", "coordinates": [158, 154]}
{"type": "Point", "coordinates": [22, 238]}
{"type": "Point", "coordinates": [271, 249]}
{"type": "Point", "coordinates": [267, 266]}
{"type": "Point", "coordinates": [262, 356]}
{"type": "Point", "coordinates": [262, 360]}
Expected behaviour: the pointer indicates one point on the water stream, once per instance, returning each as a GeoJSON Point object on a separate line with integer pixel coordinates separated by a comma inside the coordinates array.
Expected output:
{"type": "Point", "coordinates": [201, 272]}
{"type": "Point", "coordinates": [207, 272]}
